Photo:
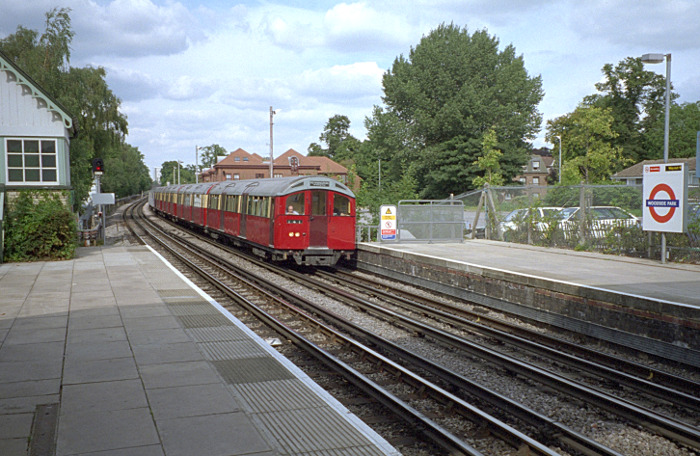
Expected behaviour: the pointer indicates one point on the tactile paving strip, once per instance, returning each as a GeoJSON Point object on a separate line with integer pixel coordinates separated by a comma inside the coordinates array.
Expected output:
{"type": "Point", "coordinates": [270, 397]}
{"type": "Point", "coordinates": [203, 321]}
{"type": "Point", "coordinates": [247, 370]}
{"type": "Point", "coordinates": [318, 431]}
{"type": "Point", "coordinates": [220, 351]}
{"type": "Point", "coordinates": [217, 334]}
{"type": "Point", "coordinates": [178, 293]}
{"type": "Point", "coordinates": [192, 309]}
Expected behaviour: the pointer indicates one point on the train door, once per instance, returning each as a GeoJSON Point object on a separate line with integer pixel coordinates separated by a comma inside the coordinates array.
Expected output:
{"type": "Point", "coordinates": [244, 214]}
{"type": "Point", "coordinates": [318, 222]}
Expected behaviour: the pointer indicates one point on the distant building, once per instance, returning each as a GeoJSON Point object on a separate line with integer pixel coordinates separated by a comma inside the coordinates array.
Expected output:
{"type": "Point", "coordinates": [240, 164]}
{"type": "Point", "coordinates": [35, 132]}
{"type": "Point", "coordinates": [634, 174]}
{"type": "Point", "coordinates": [536, 171]}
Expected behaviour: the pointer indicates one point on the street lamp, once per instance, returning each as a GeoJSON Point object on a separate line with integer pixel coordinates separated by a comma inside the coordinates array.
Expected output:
{"type": "Point", "coordinates": [178, 171]}
{"type": "Point", "coordinates": [559, 138]}
{"type": "Point", "coordinates": [196, 164]}
{"type": "Point", "coordinates": [658, 58]}
{"type": "Point", "coordinates": [272, 113]}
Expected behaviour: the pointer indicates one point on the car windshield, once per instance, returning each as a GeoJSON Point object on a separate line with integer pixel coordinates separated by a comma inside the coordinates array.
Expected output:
{"type": "Point", "coordinates": [516, 215]}
{"type": "Point", "coordinates": [567, 212]}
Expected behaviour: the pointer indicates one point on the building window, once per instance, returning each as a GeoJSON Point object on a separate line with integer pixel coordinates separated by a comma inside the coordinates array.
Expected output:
{"type": "Point", "coordinates": [259, 175]}
{"type": "Point", "coordinates": [237, 159]}
{"type": "Point", "coordinates": [228, 176]}
{"type": "Point", "coordinates": [32, 161]}
{"type": "Point", "coordinates": [535, 164]}
{"type": "Point", "coordinates": [236, 176]}
{"type": "Point", "coordinates": [278, 174]}
{"type": "Point", "coordinates": [536, 181]}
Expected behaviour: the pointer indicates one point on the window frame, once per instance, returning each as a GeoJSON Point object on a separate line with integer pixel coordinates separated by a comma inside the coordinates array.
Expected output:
{"type": "Point", "coordinates": [41, 168]}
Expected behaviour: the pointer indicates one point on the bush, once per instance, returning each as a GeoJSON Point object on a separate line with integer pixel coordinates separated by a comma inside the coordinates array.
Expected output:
{"type": "Point", "coordinates": [39, 227]}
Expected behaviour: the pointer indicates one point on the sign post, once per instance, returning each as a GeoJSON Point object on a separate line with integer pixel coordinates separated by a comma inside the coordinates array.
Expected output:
{"type": "Point", "coordinates": [387, 226]}
{"type": "Point", "coordinates": [665, 200]}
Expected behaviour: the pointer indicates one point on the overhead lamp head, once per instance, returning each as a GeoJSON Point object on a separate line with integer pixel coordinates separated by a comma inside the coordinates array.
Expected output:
{"type": "Point", "coordinates": [653, 58]}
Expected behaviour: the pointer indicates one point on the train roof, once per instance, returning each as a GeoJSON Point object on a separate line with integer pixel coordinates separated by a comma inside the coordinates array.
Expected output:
{"type": "Point", "coordinates": [263, 187]}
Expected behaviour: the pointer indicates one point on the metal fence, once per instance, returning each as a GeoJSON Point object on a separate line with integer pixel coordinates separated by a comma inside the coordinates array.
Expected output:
{"type": "Point", "coordinates": [430, 221]}
{"type": "Point", "coordinates": [603, 218]}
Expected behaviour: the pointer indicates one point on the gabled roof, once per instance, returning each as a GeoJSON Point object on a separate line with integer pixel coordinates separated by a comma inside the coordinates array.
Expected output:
{"type": "Point", "coordinates": [324, 164]}
{"type": "Point", "coordinates": [243, 158]}
{"type": "Point", "coordinates": [22, 78]}
{"type": "Point", "coordinates": [637, 170]}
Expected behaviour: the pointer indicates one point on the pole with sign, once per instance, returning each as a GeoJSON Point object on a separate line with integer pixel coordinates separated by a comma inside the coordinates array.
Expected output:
{"type": "Point", "coordinates": [387, 227]}
{"type": "Point", "coordinates": [665, 199]}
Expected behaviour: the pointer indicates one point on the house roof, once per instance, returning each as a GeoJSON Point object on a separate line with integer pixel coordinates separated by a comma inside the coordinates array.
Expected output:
{"type": "Point", "coordinates": [22, 78]}
{"type": "Point", "coordinates": [243, 158]}
{"type": "Point", "coordinates": [324, 164]}
{"type": "Point", "coordinates": [637, 170]}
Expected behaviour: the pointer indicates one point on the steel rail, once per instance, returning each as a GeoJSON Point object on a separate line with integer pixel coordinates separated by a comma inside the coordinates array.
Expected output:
{"type": "Point", "coordinates": [678, 398]}
{"type": "Point", "coordinates": [420, 422]}
{"type": "Point", "coordinates": [670, 428]}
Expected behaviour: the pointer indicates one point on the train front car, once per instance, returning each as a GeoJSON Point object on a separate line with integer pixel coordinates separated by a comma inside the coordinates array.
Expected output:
{"type": "Point", "coordinates": [313, 218]}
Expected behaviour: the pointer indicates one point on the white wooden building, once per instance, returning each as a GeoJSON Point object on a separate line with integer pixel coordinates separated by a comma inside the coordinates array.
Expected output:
{"type": "Point", "coordinates": [35, 132]}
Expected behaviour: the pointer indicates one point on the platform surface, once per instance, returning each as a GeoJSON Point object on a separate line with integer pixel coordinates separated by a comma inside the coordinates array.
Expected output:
{"type": "Point", "coordinates": [114, 353]}
{"type": "Point", "coordinates": [670, 282]}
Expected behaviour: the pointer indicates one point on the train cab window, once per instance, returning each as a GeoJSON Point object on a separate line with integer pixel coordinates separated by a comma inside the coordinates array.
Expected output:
{"type": "Point", "coordinates": [318, 202]}
{"type": "Point", "coordinates": [341, 205]}
{"type": "Point", "coordinates": [294, 204]}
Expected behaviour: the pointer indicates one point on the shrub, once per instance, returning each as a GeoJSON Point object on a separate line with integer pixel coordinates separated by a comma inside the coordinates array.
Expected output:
{"type": "Point", "coordinates": [39, 227]}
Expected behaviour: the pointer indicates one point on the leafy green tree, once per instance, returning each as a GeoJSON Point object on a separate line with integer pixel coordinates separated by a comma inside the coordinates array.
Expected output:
{"type": "Point", "coordinates": [340, 144]}
{"type": "Point", "coordinates": [451, 89]}
{"type": "Point", "coordinates": [125, 173]}
{"type": "Point", "coordinates": [489, 162]}
{"type": "Point", "coordinates": [209, 155]}
{"type": "Point", "coordinates": [169, 173]}
{"type": "Point", "coordinates": [636, 98]}
{"type": "Point", "coordinates": [590, 155]}
{"type": "Point", "coordinates": [684, 123]}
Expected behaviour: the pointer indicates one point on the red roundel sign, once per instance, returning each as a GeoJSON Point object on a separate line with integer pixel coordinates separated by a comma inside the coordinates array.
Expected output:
{"type": "Point", "coordinates": [652, 208]}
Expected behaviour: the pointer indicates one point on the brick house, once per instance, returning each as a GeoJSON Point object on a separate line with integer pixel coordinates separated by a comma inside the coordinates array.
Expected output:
{"type": "Point", "coordinates": [240, 164]}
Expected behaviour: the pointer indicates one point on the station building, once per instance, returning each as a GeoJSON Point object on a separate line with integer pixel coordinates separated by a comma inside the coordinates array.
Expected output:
{"type": "Point", "coordinates": [35, 133]}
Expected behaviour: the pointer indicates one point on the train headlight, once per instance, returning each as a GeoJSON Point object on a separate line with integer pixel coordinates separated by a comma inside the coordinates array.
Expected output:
{"type": "Point", "coordinates": [291, 234]}
{"type": "Point", "coordinates": [296, 234]}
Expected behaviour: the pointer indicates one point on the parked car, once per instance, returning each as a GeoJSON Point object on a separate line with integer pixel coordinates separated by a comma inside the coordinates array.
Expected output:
{"type": "Point", "coordinates": [517, 220]}
{"type": "Point", "coordinates": [600, 220]}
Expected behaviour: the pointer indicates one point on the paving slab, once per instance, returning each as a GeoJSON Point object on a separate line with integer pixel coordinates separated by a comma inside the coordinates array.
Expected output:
{"type": "Point", "coordinates": [137, 361]}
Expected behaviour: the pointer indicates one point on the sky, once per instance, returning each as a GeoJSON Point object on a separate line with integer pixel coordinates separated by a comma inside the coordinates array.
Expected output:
{"type": "Point", "coordinates": [201, 72]}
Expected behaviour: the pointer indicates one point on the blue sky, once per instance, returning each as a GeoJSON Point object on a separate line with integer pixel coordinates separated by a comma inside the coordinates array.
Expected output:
{"type": "Point", "coordinates": [202, 72]}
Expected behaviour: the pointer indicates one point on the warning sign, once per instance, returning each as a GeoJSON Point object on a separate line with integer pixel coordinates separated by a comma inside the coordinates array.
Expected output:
{"type": "Point", "coordinates": [664, 189]}
{"type": "Point", "coordinates": [388, 223]}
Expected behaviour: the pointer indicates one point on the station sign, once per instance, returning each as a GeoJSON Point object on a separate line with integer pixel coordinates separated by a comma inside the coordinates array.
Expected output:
{"type": "Point", "coordinates": [387, 225]}
{"type": "Point", "coordinates": [664, 198]}
{"type": "Point", "coordinates": [102, 198]}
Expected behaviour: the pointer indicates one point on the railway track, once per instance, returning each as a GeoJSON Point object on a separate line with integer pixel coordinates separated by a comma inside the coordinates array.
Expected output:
{"type": "Point", "coordinates": [541, 434]}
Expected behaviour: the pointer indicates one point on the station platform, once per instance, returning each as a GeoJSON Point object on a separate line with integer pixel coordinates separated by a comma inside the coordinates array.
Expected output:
{"type": "Point", "coordinates": [671, 282]}
{"type": "Point", "coordinates": [116, 353]}
{"type": "Point", "coordinates": [643, 304]}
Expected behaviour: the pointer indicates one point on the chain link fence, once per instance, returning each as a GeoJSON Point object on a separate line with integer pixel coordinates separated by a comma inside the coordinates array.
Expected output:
{"type": "Point", "coordinates": [605, 218]}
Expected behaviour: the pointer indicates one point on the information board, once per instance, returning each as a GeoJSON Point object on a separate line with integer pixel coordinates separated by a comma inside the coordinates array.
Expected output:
{"type": "Point", "coordinates": [387, 225]}
{"type": "Point", "coordinates": [664, 198]}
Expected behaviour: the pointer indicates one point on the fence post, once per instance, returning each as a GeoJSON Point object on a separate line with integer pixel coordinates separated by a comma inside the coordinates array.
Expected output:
{"type": "Point", "coordinates": [582, 214]}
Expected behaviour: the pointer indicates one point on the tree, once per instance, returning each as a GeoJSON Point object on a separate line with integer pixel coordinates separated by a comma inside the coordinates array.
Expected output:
{"type": "Point", "coordinates": [451, 90]}
{"type": "Point", "coordinates": [636, 100]}
{"type": "Point", "coordinates": [684, 123]}
{"type": "Point", "coordinates": [489, 162]}
{"type": "Point", "coordinates": [340, 144]}
{"type": "Point", "coordinates": [209, 155]}
{"type": "Point", "coordinates": [170, 170]}
{"type": "Point", "coordinates": [590, 155]}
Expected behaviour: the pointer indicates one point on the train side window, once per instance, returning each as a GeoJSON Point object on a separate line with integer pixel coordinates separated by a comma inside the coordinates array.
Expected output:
{"type": "Point", "coordinates": [318, 202]}
{"type": "Point", "coordinates": [294, 204]}
{"type": "Point", "coordinates": [341, 205]}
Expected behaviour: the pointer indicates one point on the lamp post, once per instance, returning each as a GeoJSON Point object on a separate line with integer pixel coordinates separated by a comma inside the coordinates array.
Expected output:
{"type": "Point", "coordinates": [658, 58]}
{"type": "Point", "coordinates": [196, 164]}
{"type": "Point", "coordinates": [559, 138]}
{"type": "Point", "coordinates": [178, 172]}
{"type": "Point", "coordinates": [272, 113]}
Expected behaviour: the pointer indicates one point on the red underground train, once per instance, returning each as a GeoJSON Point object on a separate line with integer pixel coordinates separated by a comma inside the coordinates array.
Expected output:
{"type": "Point", "coordinates": [310, 219]}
